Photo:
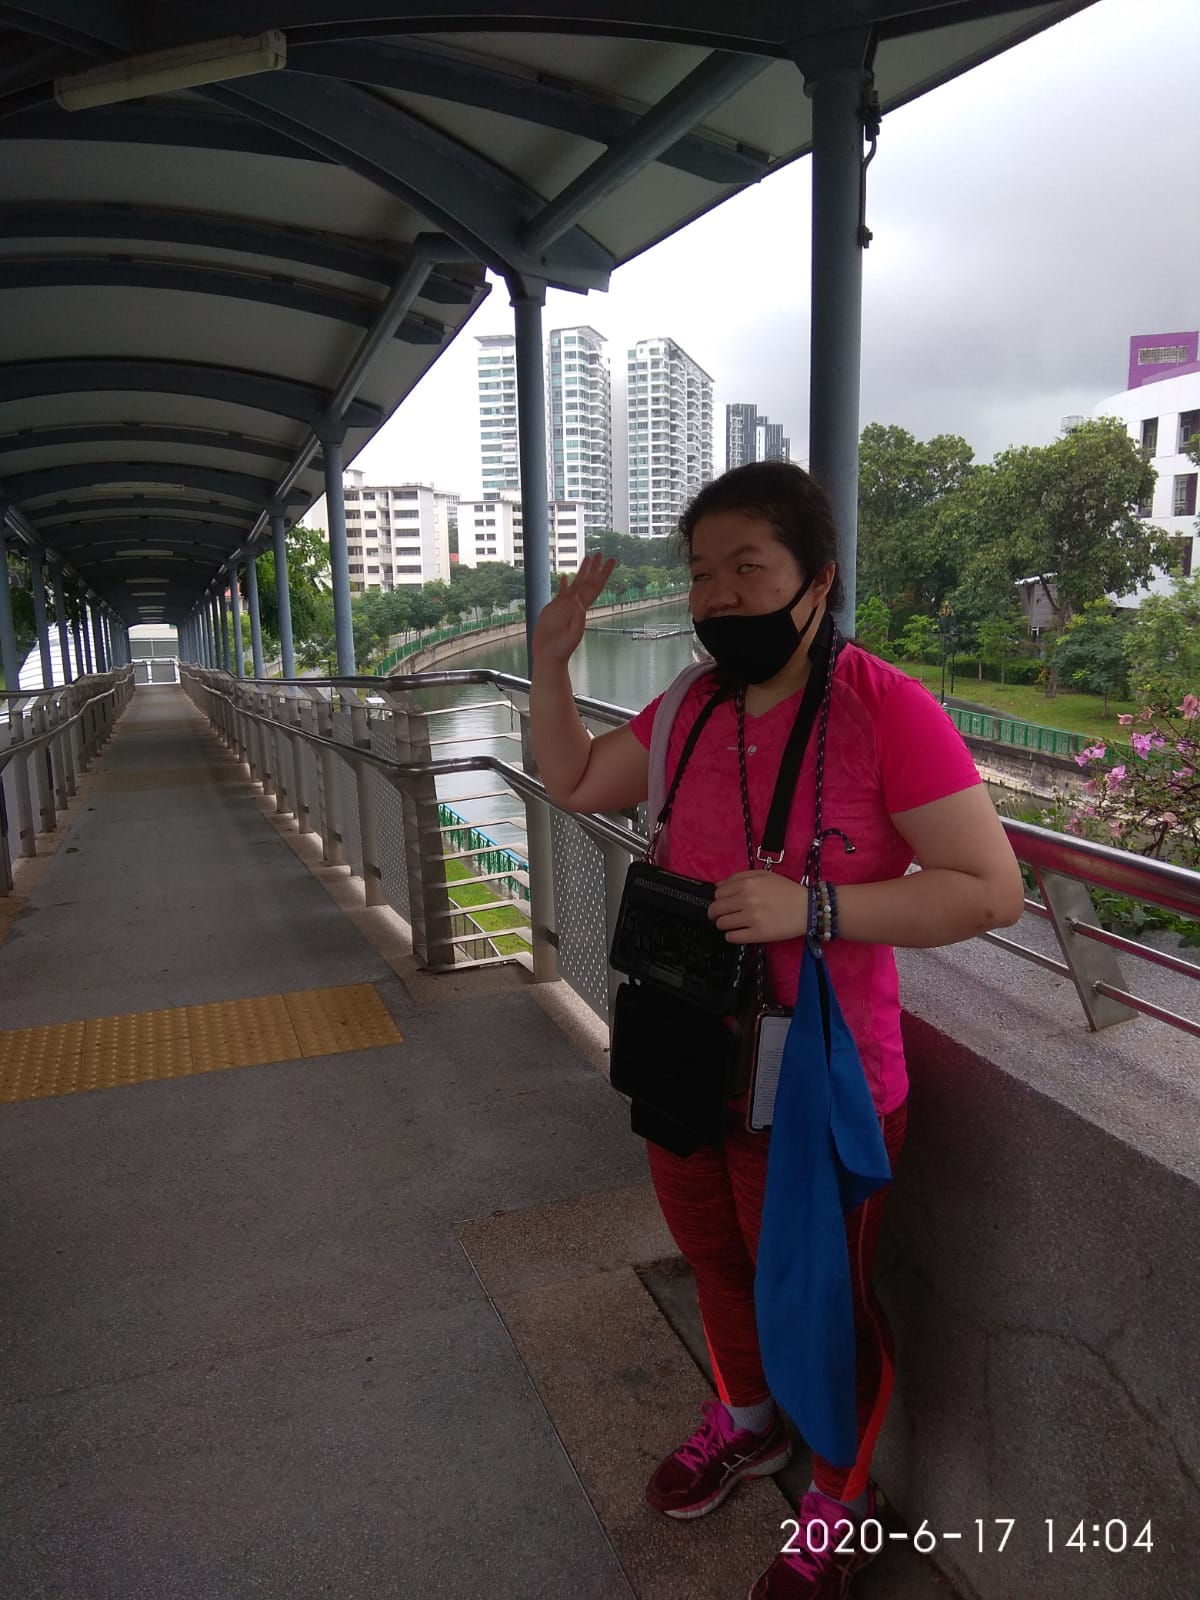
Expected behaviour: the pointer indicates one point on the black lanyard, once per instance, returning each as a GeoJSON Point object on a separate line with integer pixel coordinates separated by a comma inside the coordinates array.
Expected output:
{"type": "Point", "coordinates": [823, 656]}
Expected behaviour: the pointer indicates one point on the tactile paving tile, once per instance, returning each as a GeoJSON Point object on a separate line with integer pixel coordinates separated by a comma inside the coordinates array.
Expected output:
{"type": "Point", "coordinates": [146, 1046]}
{"type": "Point", "coordinates": [350, 1018]}
{"type": "Point", "coordinates": [40, 1061]}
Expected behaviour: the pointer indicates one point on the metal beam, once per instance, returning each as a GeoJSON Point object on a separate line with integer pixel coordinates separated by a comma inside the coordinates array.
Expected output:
{"type": "Point", "coordinates": [137, 510]}
{"type": "Point", "coordinates": [355, 258]}
{"type": "Point", "coordinates": [761, 27]}
{"type": "Point", "coordinates": [156, 123]}
{"type": "Point", "coordinates": [181, 277]}
{"type": "Point", "coordinates": [23, 487]}
{"type": "Point", "coordinates": [232, 386]}
{"type": "Point", "coordinates": [704, 89]}
{"type": "Point", "coordinates": [138, 434]}
{"type": "Point", "coordinates": [475, 201]}
{"type": "Point", "coordinates": [425, 69]}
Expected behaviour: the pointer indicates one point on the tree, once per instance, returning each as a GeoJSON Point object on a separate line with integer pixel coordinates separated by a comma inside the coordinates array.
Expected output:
{"type": "Point", "coordinates": [1163, 645]}
{"type": "Point", "coordinates": [904, 487]}
{"type": "Point", "coordinates": [1000, 638]}
{"type": "Point", "coordinates": [872, 621]}
{"type": "Point", "coordinates": [1066, 514]}
{"type": "Point", "coordinates": [1090, 653]}
{"type": "Point", "coordinates": [308, 587]}
{"type": "Point", "coordinates": [919, 638]}
{"type": "Point", "coordinates": [621, 581]}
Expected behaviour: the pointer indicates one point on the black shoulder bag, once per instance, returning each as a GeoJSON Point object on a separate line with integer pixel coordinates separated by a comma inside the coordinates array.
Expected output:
{"type": "Point", "coordinates": [675, 1038]}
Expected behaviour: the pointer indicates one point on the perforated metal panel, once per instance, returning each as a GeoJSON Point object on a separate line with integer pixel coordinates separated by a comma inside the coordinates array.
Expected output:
{"type": "Point", "coordinates": [579, 903]}
{"type": "Point", "coordinates": [389, 822]}
{"type": "Point", "coordinates": [285, 775]}
{"type": "Point", "coordinates": [351, 835]}
{"type": "Point", "coordinates": [312, 793]}
{"type": "Point", "coordinates": [162, 672]}
{"type": "Point", "coordinates": [141, 672]}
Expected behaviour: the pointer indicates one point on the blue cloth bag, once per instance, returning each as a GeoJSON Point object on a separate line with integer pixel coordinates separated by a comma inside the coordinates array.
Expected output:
{"type": "Point", "coordinates": [826, 1157]}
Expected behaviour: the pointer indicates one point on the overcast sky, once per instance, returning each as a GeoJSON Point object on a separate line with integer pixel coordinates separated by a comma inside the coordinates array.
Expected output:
{"type": "Point", "coordinates": [1028, 218]}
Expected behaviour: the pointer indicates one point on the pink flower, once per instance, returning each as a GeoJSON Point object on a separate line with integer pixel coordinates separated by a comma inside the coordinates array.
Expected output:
{"type": "Point", "coordinates": [1125, 720]}
{"type": "Point", "coordinates": [1082, 759]}
{"type": "Point", "coordinates": [1145, 714]}
{"type": "Point", "coordinates": [1190, 706]}
{"type": "Point", "coordinates": [1169, 818]}
{"type": "Point", "coordinates": [1090, 786]}
{"type": "Point", "coordinates": [1091, 752]}
{"type": "Point", "coordinates": [1116, 829]}
{"type": "Point", "coordinates": [1116, 776]}
{"type": "Point", "coordinates": [1141, 744]}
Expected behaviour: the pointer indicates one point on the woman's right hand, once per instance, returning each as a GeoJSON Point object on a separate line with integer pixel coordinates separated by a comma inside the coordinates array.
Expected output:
{"type": "Point", "coordinates": [560, 626]}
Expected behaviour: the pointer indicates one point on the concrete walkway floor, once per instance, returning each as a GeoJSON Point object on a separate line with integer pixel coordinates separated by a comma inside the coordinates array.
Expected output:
{"type": "Point", "coordinates": [287, 1313]}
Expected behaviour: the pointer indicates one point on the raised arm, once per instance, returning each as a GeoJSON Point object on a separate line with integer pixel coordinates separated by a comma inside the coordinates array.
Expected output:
{"type": "Point", "coordinates": [580, 773]}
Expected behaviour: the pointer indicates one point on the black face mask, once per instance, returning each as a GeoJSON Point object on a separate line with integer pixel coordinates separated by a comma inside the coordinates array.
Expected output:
{"type": "Point", "coordinates": [754, 649]}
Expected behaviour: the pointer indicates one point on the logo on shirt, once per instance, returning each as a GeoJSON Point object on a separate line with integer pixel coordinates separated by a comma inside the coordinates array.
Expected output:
{"type": "Point", "coordinates": [750, 748]}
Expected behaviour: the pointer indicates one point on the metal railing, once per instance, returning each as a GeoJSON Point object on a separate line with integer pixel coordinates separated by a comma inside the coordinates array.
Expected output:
{"type": "Point", "coordinates": [353, 760]}
{"type": "Point", "coordinates": [1016, 732]}
{"type": "Point", "coordinates": [47, 738]}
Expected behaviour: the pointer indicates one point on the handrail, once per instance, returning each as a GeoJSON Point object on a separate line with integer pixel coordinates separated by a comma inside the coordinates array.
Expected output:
{"type": "Point", "coordinates": [1145, 878]}
{"type": "Point", "coordinates": [1062, 866]}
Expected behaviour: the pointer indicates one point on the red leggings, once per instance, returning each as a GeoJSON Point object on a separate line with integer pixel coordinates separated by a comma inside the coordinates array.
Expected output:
{"type": "Point", "coordinates": [712, 1202]}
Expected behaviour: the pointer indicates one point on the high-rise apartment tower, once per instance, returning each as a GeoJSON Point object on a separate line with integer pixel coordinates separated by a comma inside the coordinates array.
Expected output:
{"type": "Point", "coordinates": [749, 436]}
{"type": "Point", "coordinates": [499, 458]}
{"type": "Point", "coordinates": [579, 423]}
{"type": "Point", "coordinates": [670, 430]}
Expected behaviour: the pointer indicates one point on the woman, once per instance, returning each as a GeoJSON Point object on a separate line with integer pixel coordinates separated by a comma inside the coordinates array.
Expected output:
{"type": "Point", "coordinates": [899, 785]}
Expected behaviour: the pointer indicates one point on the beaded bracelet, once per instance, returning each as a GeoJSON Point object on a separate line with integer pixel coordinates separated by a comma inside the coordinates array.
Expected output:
{"type": "Point", "coordinates": [823, 912]}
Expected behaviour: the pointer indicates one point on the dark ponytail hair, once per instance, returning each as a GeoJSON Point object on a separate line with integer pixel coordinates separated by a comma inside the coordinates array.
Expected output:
{"type": "Point", "coordinates": [784, 495]}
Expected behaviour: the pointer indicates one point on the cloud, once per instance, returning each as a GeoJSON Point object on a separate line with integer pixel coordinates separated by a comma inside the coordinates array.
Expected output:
{"type": "Point", "coordinates": [1028, 218]}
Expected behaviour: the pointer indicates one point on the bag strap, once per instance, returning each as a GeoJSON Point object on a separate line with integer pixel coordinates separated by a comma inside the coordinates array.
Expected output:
{"type": "Point", "coordinates": [770, 851]}
{"type": "Point", "coordinates": [660, 734]}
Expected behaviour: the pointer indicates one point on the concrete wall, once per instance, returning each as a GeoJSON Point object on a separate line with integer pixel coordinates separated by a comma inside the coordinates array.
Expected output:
{"type": "Point", "coordinates": [1041, 1268]}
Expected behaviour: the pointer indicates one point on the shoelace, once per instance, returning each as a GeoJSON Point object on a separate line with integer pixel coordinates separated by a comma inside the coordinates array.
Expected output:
{"type": "Point", "coordinates": [707, 1441]}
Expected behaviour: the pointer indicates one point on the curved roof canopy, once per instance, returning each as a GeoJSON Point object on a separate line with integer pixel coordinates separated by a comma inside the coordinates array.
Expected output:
{"type": "Point", "coordinates": [198, 284]}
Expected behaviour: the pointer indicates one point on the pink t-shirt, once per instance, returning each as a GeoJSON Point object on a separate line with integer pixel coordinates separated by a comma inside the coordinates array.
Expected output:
{"type": "Point", "coordinates": [890, 748]}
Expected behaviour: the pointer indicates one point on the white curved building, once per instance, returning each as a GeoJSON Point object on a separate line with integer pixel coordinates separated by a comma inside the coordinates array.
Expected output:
{"type": "Point", "coordinates": [1161, 408]}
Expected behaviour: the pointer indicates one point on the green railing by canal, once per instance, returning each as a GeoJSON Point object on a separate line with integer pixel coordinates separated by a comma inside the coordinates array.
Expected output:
{"type": "Point", "coordinates": [498, 619]}
{"type": "Point", "coordinates": [489, 856]}
{"type": "Point", "coordinates": [1022, 735]}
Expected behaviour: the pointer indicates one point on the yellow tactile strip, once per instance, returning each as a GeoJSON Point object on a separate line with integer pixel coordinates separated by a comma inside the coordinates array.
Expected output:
{"type": "Point", "coordinates": [145, 1046]}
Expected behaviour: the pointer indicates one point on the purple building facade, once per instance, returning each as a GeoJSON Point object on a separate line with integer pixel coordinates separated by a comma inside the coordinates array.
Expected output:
{"type": "Point", "coordinates": [1162, 355]}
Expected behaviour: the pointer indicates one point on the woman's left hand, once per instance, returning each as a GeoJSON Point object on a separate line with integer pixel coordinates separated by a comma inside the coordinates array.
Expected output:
{"type": "Point", "coordinates": [760, 908]}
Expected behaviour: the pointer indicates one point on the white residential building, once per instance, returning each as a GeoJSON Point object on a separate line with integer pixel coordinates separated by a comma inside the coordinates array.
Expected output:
{"type": "Point", "coordinates": [1161, 409]}
{"type": "Point", "coordinates": [499, 456]}
{"type": "Point", "coordinates": [394, 533]}
{"type": "Point", "coordinates": [492, 529]}
{"type": "Point", "coordinates": [579, 423]}
{"type": "Point", "coordinates": [670, 431]}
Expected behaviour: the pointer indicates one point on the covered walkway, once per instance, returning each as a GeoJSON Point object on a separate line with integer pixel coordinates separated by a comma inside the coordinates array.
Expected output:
{"type": "Point", "coordinates": [329, 1294]}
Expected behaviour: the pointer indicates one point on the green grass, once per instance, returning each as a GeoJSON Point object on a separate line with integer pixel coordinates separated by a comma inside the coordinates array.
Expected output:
{"type": "Point", "coordinates": [1069, 709]}
{"type": "Point", "coordinates": [494, 922]}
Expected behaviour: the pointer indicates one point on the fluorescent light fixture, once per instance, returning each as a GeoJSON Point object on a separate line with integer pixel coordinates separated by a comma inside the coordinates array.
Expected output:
{"type": "Point", "coordinates": [189, 67]}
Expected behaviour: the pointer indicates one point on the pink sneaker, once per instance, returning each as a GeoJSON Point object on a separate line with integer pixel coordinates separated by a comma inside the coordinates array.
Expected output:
{"type": "Point", "coordinates": [695, 1478]}
{"type": "Point", "coordinates": [823, 1555]}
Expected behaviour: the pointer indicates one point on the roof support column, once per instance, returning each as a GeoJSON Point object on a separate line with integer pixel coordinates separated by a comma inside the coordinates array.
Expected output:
{"type": "Point", "coordinates": [283, 594]}
{"type": "Point", "coordinates": [331, 437]}
{"type": "Point", "coordinates": [527, 302]}
{"type": "Point", "coordinates": [239, 650]}
{"type": "Point", "coordinates": [206, 656]}
{"type": "Point", "coordinates": [37, 585]}
{"type": "Point", "coordinates": [98, 638]}
{"type": "Point", "coordinates": [256, 649]}
{"type": "Point", "coordinates": [60, 617]}
{"type": "Point", "coordinates": [226, 661]}
{"type": "Point", "coordinates": [85, 619]}
{"type": "Point", "coordinates": [9, 660]}
{"type": "Point", "coordinates": [77, 634]}
{"type": "Point", "coordinates": [837, 88]}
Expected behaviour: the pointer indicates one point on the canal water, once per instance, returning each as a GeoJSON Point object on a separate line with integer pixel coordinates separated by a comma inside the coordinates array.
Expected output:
{"type": "Point", "coordinates": [609, 665]}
